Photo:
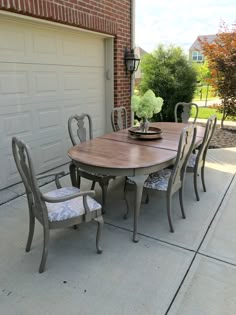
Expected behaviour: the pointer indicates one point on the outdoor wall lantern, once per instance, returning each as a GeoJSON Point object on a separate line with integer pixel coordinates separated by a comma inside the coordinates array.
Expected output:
{"type": "Point", "coordinates": [131, 61]}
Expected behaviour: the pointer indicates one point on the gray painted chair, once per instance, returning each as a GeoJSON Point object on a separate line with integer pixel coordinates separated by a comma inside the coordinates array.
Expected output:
{"type": "Point", "coordinates": [119, 118]}
{"type": "Point", "coordinates": [78, 127]}
{"type": "Point", "coordinates": [170, 181]}
{"type": "Point", "coordinates": [197, 160]}
{"type": "Point", "coordinates": [59, 208]}
{"type": "Point", "coordinates": [183, 111]}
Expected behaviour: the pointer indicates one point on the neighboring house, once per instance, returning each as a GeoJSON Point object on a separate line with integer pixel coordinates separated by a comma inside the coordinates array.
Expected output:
{"type": "Point", "coordinates": [57, 58]}
{"type": "Point", "coordinates": [195, 51]}
{"type": "Point", "coordinates": [140, 52]}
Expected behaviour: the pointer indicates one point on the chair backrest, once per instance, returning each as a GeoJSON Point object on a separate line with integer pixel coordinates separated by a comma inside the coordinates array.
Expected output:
{"type": "Point", "coordinates": [183, 111]}
{"type": "Point", "coordinates": [119, 118]}
{"type": "Point", "coordinates": [185, 147]}
{"type": "Point", "coordinates": [209, 131]}
{"type": "Point", "coordinates": [78, 127]}
{"type": "Point", "coordinates": [24, 164]}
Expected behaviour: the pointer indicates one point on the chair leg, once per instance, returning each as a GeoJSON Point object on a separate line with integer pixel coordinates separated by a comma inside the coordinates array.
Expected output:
{"type": "Point", "coordinates": [104, 187]}
{"type": "Point", "coordinates": [169, 212]}
{"type": "Point", "coordinates": [195, 185]}
{"type": "Point", "coordinates": [72, 169]}
{"type": "Point", "coordinates": [203, 178]}
{"type": "Point", "coordinates": [31, 232]}
{"type": "Point", "coordinates": [125, 217]}
{"type": "Point", "coordinates": [78, 180]}
{"type": "Point", "coordinates": [93, 185]}
{"type": "Point", "coordinates": [45, 249]}
{"type": "Point", "coordinates": [146, 201]}
{"type": "Point", "coordinates": [100, 223]}
{"type": "Point", "coordinates": [181, 201]}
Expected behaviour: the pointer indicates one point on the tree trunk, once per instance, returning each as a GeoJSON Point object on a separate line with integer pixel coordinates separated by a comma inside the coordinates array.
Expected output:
{"type": "Point", "coordinates": [222, 122]}
{"type": "Point", "coordinates": [207, 95]}
{"type": "Point", "coordinates": [223, 116]}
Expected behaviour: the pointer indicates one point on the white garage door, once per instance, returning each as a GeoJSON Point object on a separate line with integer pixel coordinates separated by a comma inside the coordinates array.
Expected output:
{"type": "Point", "coordinates": [46, 74]}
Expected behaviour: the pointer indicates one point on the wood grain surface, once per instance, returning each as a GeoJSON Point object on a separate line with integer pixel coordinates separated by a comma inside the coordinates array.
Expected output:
{"type": "Point", "coordinates": [116, 150]}
{"type": "Point", "coordinates": [115, 154]}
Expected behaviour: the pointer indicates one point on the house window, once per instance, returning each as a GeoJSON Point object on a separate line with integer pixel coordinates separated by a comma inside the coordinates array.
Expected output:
{"type": "Point", "coordinates": [197, 56]}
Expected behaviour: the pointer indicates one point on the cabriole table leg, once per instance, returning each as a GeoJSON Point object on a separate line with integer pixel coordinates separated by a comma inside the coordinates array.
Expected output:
{"type": "Point", "coordinates": [139, 181]}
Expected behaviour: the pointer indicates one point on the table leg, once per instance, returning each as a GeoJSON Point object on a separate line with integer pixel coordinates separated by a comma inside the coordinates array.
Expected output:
{"type": "Point", "coordinates": [139, 182]}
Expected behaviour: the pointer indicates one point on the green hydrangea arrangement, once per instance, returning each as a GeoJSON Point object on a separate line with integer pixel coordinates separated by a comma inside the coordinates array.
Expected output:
{"type": "Point", "coordinates": [147, 105]}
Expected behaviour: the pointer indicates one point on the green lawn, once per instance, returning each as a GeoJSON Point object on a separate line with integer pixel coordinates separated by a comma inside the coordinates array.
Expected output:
{"type": "Point", "coordinates": [197, 94]}
{"type": "Point", "coordinates": [205, 113]}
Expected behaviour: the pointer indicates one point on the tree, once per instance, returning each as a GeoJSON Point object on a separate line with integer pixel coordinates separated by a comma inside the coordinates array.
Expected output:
{"type": "Point", "coordinates": [203, 73]}
{"type": "Point", "coordinates": [202, 70]}
{"type": "Point", "coordinates": [168, 73]}
{"type": "Point", "coordinates": [221, 58]}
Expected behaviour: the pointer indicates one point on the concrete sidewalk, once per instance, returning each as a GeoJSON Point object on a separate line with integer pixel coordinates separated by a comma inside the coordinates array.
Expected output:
{"type": "Point", "coordinates": [226, 122]}
{"type": "Point", "coordinates": [204, 103]}
{"type": "Point", "coordinates": [189, 272]}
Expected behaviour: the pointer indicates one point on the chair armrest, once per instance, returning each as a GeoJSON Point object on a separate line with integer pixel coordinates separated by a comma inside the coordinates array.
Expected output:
{"type": "Point", "coordinates": [57, 176]}
{"type": "Point", "coordinates": [90, 193]}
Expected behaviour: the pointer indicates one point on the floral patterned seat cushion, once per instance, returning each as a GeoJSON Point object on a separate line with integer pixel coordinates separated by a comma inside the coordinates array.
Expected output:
{"type": "Point", "coordinates": [68, 209]}
{"type": "Point", "coordinates": [158, 180]}
{"type": "Point", "coordinates": [192, 161]}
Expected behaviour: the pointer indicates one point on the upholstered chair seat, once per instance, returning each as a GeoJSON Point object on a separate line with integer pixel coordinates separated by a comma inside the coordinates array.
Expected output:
{"type": "Point", "coordinates": [68, 209]}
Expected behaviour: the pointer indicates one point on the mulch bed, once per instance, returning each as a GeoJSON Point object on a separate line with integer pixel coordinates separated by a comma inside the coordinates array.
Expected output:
{"type": "Point", "coordinates": [223, 138]}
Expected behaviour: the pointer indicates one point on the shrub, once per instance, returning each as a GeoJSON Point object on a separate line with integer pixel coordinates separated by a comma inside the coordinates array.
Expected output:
{"type": "Point", "coordinates": [168, 73]}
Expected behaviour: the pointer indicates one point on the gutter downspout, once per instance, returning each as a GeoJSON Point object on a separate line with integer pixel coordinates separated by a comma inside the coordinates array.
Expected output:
{"type": "Point", "coordinates": [132, 43]}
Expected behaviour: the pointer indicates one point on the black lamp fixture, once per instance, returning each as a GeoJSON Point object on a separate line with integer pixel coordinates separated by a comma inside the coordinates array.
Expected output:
{"type": "Point", "coordinates": [131, 61]}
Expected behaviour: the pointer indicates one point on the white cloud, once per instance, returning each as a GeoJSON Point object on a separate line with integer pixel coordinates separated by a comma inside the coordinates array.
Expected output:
{"type": "Point", "coordinates": [179, 22]}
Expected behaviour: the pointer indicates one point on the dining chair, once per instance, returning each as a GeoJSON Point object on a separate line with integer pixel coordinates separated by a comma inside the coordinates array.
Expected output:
{"type": "Point", "coordinates": [183, 112]}
{"type": "Point", "coordinates": [119, 118]}
{"type": "Point", "coordinates": [60, 208]}
{"type": "Point", "coordinates": [197, 160]}
{"type": "Point", "coordinates": [170, 181]}
{"type": "Point", "coordinates": [78, 127]}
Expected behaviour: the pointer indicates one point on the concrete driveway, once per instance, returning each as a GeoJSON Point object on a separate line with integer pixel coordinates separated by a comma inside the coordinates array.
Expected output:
{"type": "Point", "coordinates": [189, 272]}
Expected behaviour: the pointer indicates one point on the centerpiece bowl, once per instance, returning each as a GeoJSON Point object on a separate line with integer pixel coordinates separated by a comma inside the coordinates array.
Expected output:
{"type": "Point", "coordinates": [151, 134]}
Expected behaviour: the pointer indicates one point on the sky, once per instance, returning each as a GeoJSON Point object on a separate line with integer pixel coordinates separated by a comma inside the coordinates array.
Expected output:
{"type": "Point", "coordinates": [179, 22]}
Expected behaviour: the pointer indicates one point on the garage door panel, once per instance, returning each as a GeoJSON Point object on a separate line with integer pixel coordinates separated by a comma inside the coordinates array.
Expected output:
{"type": "Point", "coordinates": [9, 173]}
{"type": "Point", "coordinates": [49, 119]}
{"type": "Point", "coordinates": [15, 45]}
{"type": "Point", "coordinates": [44, 44]}
{"type": "Point", "coordinates": [82, 80]}
{"type": "Point", "coordinates": [13, 83]}
{"type": "Point", "coordinates": [46, 75]}
{"type": "Point", "coordinates": [41, 120]}
{"type": "Point", "coordinates": [51, 153]}
{"type": "Point", "coordinates": [83, 52]}
{"type": "Point", "coordinates": [45, 83]}
{"type": "Point", "coordinates": [48, 153]}
{"type": "Point", "coordinates": [39, 44]}
{"type": "Point", "coordinates": [91, 56]}
{"type": "Point", "coordinates": [72, 82]}
{"type": "Point", "coordinates": [18, 124]}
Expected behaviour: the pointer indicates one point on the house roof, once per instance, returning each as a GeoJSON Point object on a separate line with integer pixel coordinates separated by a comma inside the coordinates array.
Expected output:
{"type": "Point", "coordinates": [140, 52]}
{"type": "Point", "coordinates": [197, 45]}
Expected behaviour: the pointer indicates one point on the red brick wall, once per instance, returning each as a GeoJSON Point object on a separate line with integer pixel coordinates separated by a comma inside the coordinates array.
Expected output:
{"type": "Point", "coordinates": [105, 16]}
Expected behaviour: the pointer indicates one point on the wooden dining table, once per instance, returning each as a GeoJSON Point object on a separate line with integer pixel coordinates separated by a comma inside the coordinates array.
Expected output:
{"type": "Point", "coordinates": [117, 154]}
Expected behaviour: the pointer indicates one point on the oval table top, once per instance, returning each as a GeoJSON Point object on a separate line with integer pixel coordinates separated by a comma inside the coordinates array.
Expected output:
{"type": "Point", "coordinates": [117, 154]}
